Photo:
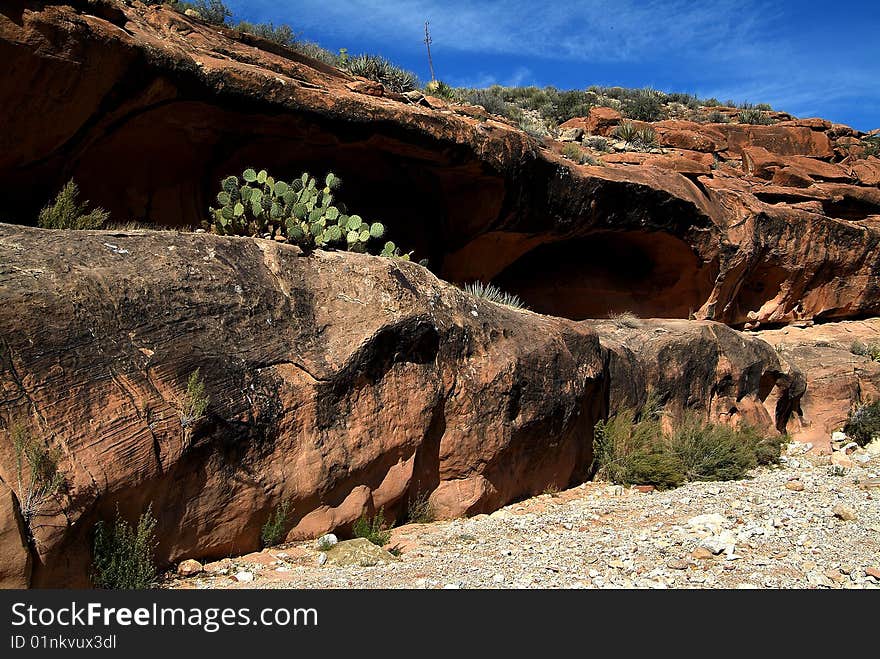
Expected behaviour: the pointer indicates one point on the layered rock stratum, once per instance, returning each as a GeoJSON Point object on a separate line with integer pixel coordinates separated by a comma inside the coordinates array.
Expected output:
{"type": "Point", "coordinates": [344, 383]}
{"type": "Point", "coordinates": [147, 109]}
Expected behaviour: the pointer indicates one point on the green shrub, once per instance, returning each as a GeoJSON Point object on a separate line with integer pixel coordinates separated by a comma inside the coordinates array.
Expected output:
{"type": "Point", "coordinates": [596, 142]}
{"type": "Point", "coordinates": [494, 294]}
{"type": "Point", "coordinates": [195, 401]}
{"type": "Point", "coordinates": [301, 211]}
{"type": "Point", "coordinates": [38, 478]}
{"type": "Point", "coordinates": [711, 452]}
{"type": "Point", "coordinates": [645, 105]}
{"type": "Point", "coordinates": [440, 89]}
{"type": "Point", "coordinates": [629, 451]}
{"type": "Point", "coordinates": [66, 212]}
{"type": "Point", "coordinates": [869, 350]}
{"type": "Point", "coordinates": [123, 556]}
{"type": "Point", "coordinates": [274, 528]}
{"type": "Point", "coordinates": [863, 424]}
{"type": "Point", "coordinates": [419, 509]}
{"type": "Point", "coordinates": [570, 104]}
{"type": "Point", "coordinates": [533, 125]}
{"type": "Point", "coordinates": [282, 34]}
{"type": "Point", "coordinates": [373, 529]}
{"type": "Point", "coordinates": [491, 100]}
{"type": "Point", "coordinates": [717, 117]}
{"type": "Point", "coordinates": [573, 152]}
{"type": "Point", "coordinates": [379, 69]}
{"type": "Point", "coordinates": [210, 11]}
{"type": "Point", "coordinates": [632, 448]}
{"type": "Point", "coordinates": [315, 51]}
{"type": "Point", "coordinates": [754, 116]}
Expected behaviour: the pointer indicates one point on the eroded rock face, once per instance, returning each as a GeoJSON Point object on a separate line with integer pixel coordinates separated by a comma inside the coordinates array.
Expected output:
{"type": "Point", "coordinates": [341, 383]}
{"type": "Point", "coordinates": [837, 377]}
{"type": "Point", "coordinates": [148, 109]}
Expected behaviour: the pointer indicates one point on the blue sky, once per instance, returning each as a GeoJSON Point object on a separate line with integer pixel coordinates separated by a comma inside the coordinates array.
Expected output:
{"type": "Point", "coordinates": [807, 58]}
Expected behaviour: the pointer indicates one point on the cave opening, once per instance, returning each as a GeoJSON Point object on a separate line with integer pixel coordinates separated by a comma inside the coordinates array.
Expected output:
{"type": "Point", "coordinates": [163, 164]}
{"type": "Point", "coordinates": [648, 274]}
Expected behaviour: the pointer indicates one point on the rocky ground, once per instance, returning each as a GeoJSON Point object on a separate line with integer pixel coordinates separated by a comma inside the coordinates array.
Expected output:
{"type": "Point", "coordinates": [805, 524]}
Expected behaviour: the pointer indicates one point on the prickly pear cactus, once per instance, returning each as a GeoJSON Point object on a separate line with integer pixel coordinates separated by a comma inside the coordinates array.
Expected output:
{"type": "Point", "coordinates": [303, 211]}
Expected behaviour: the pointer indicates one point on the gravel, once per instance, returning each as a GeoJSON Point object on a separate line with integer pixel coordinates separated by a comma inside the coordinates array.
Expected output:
{"type": "Point", "coordinates": [756, 533]}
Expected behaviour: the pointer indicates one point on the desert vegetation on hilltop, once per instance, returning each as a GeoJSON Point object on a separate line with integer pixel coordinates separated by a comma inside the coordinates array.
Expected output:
{"type": "Point", "coordinates": [537, 110]}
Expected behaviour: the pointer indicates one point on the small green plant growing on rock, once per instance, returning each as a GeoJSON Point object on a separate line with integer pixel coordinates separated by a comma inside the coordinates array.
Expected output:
{"type": "Point", "coordinates": [869, 350]}
{"type": "Point", "coordinates": [195, 400]}
{"type": "Point", "coordinates": [440, 89]}
{"type": "Point", "coordinates": [573, 152]}
{"type": "Point", "coordinates": [123, 557]}
{"type": "Point", "coordinates": [626, 131]}
{"type": "Point", "coordinates": [379, 69]}
{"type": "Point", "coordinates": [863, 424]}
{"type": "Point", "coordinates": [38, 478]}
{"type": "Point", "coordinates": [596, 142]}
{"type": "Point", "coordinates": [646, 138]}
{"type": "Point", "coordinates": [67, 212]}
{"type": "Point", "coordinates": [273, 530]}
{"type": "Point", "coordinates": [302, 211]}
{"type": "Point", "coordinates": [419, 509]}
{"type": "Point", "coordinates": [494, 294]}
{"type": "Point", "coordinates": [373, 529]}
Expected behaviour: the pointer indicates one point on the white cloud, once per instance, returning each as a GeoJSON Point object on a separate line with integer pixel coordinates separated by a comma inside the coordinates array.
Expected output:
{"type": "Point", "coordinates": [598, 30]}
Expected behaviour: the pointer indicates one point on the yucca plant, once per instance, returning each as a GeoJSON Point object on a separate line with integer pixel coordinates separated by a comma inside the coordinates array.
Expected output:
{"type": "Point", "coordinates": [494, 294]}
{"type": "Point", "coordinates": [379, 69]}
{"type": "Point", "coordinates": [646, 138]}
{"type": "Point", "coordinates": [626, 131]}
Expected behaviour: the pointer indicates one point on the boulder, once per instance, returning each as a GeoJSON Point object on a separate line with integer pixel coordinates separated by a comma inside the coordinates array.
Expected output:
{"type": "Point", "coordinates": [15, 568]}
{"type": "Point", "coordinates": [340, 383]}
{"type": "Point", "coordinates": [600, 121]}
{"type": "Point", "coordinates": [189, 568]}
{"type": "Point", "coordinates": [358, 552]}
{"type": "Point", "coordinates": [836, 378]}
{"type": "Point", "coordinates": [781, 140]}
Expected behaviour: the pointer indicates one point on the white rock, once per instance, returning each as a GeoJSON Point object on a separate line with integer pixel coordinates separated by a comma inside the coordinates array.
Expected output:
{"type": "Point", "coordinates": [322, 558]}
{"type": "Point", "coordinates": [722, 542]}
{"type": "Point", "coordinates": [873, 448]}
{"type": "Point", "coordinates": [712, 523]}
{"type": "Point", "coordinates": [326, 541]}
{"type": "Point", "coordinates": [244, 576]}
{"type": "Point", "coordinates": [838, 436]}
{"type": "Point", "coordinates": [452, 586]}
